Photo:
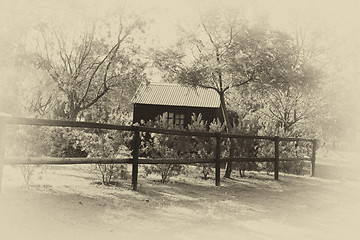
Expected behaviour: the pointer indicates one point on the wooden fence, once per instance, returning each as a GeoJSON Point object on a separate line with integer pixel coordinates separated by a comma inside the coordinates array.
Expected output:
{"type": "Point", "coordinates": [135, 160]}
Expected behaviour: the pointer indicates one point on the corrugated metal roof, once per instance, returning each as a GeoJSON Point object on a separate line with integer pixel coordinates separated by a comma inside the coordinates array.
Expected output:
{"type": "Point", "coordinates": [176, 95]}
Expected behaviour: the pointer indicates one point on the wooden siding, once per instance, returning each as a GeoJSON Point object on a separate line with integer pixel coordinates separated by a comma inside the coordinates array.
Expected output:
{"type": "Point", "coordinates": [148, 112]}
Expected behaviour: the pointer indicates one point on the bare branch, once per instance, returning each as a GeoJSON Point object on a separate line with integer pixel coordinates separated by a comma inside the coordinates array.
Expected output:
{"type": "Point", "coordinates": [241, 83]}
{"type": "Point", "coordinates": [208, 33]}
{"type": "Point", "coordinates": [114, 48]}
{"type": "Point", "coordinates": [209, 87]}
{"type": "Point", "coordinates": [95, 99]}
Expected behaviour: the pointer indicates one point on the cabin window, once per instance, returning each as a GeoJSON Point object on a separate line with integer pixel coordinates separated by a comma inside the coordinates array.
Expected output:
{"type": "Point", "coordinates": [171, 118]}
{"type": "Point", "coordinates": [179, 119]}
{"type": "Point", "coordinates": [176, 119]}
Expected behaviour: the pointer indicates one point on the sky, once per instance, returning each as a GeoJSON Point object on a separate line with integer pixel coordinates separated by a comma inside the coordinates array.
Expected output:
{"type": "Point", "coordinates": [338, 20]}
{"type": "Point", "coordinates": [338, 17]}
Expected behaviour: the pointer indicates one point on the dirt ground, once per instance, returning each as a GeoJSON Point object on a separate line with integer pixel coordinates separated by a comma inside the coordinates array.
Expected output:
{"type": "Point", "coordinates": [63, 202]}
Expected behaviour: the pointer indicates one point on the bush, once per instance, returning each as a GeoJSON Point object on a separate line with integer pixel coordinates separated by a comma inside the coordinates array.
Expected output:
{"type": "Point", "coordinates": [111, 172]}
{"type": "Point", "coordinates": [164, 170]}
{"type": "Point", "coordinates": [161, 146]}
{"type": "Point", "coordinates": [205, 169]}
{"type": "Point", "coordinates": [287, 149]}
{"type": "Point", "coordinates": [30, 141]}
{"type": "Point", "coordinates": [27, 171]}
{"type": "Point", "coordinates": [205, 147]}
{"type": "Point", "coordinates": [106, 144]}
{"type": "Point", "coordinates": [180, 147]}
{"type": "Point", "coordinates": [245, 148]}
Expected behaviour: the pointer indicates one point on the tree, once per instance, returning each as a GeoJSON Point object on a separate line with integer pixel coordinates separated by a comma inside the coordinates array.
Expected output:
{"type": "Point", "coordinates": [287, 108]}
{"type": "Point", "coordinates": [86, 68]}
{"type": "Point", "coordinates": [294, 97]}
{"type": "Point", "coordinates": [82, 76]}
{"type": "Point", "coordinates": [224, 53]}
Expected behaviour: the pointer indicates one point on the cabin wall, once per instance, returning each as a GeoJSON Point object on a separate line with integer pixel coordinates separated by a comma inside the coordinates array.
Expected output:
{"type": "Point", "coordinates": [150, 112]}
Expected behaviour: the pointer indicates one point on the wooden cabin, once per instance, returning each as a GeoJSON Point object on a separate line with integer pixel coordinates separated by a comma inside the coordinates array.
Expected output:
{"type": "Point", "coordinates": [178, 101]}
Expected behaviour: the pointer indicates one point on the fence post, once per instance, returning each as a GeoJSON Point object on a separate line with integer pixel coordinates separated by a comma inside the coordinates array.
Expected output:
{"type": "Point", "coordinates": [217, 159]}
{"type": "Point", "coordinates": [276, 162]}
{"type": "Point", "coordinates": [2, 148]}
{"type": "Point", "coordinates": [313, 158]}
{"type": "Point", "coordinates": [135, 164]}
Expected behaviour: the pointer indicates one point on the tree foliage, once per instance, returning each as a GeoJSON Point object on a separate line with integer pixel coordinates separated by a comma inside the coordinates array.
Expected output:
{"type": "Point", "coordinates": [85, 68]}
{"type": "Point", "coordinates": [225, 52]}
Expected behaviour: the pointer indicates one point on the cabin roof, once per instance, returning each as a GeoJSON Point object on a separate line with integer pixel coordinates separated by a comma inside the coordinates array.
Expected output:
{"type": "Point", "coordinates": [176, 95]}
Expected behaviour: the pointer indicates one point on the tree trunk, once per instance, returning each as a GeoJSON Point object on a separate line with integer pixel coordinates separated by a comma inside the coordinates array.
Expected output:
{"type": "Point", "coordinates": [73, 107]}
{"type": "Point", "coordinates": [73, 115]}
{"type": "Point", "coordinates": [228, 130]}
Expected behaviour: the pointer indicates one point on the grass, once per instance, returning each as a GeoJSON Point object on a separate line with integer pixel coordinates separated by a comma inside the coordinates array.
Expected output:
{"type": "Point", "coordinates": [64, 203]}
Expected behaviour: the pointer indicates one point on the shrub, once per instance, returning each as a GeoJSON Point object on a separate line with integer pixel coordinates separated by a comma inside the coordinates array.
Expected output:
{"type": "Point", "coordinates": [104, 143]}
{"type": "Point", "coordinates": [245, 148]}
{"type": "Point", "coordinates": [161, 146]}
{"type": "Point", "coordinates": [111, 172]}
{"type": "Point", "coordinates": [287, 149]}
{"type": "Point", "coordinates": [164, 170]}
{"type": "Point", "coordinates": [205, 169]}
{"type": "Point", "coordinates": [181, 147]}
{"type": "Point", "coordinates": [27, 171]}
{"type": "Point", "coordinates": [25, 141]}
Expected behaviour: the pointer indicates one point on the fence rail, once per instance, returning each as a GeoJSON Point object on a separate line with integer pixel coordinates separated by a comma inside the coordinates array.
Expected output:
{"type": "Point", "coordinates": [135, 160]}
{"type": "Point", "coordinates": [79, 160]}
